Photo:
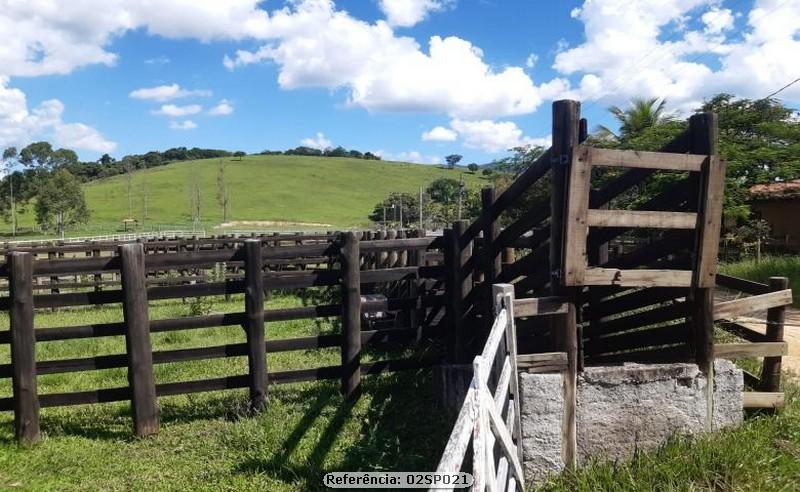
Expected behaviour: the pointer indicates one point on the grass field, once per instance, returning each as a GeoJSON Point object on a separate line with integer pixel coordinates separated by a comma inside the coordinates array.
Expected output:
{"type": "Point", "coordinates": [331, 192]}
{"type": "Point", "coordinates": [205, 442]}
{"type": "Point", "coordinates": [769, 266]}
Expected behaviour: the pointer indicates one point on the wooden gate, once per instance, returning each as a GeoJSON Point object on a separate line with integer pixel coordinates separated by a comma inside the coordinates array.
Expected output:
{"type": "Point", "coordinates": [491, 420]}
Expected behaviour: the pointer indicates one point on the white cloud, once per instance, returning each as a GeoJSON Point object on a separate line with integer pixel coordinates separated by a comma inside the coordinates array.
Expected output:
{"type": "Point", "coordinates": [223, 108]}
{"type": "Point", "coordinates": [58, 37]}
{"type": "Point", "coordinates": [319, 141]}
{"type": "Point", "coordinates": [183, 125]}
{"type": "Point", "coordinates": [717, 20]}
{"type": "Point", "coordinates": [439, 134]}
{"type": "Point", "coordinates": [493, 136]}
{"type": "Point", "coordinates": [406, 13]}
{"type": "Point", "coordinates": [315, 45]}
{"type": "Point", "coordinates": [530, 62]}
{"type": "Point", "coordinates": [175, 111]}
{"type": "Point", "coordinates": [19, 125]}
{"type": "Point", "coordinates": [408, 156]}
{"type": "Point", "coordinates": [163, 93]}
{"type": "Point", "coordinates": [643, 49]}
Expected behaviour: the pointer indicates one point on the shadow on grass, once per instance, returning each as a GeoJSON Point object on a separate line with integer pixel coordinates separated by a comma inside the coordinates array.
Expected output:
{"type": "Point", "coordinates": [400, 429]}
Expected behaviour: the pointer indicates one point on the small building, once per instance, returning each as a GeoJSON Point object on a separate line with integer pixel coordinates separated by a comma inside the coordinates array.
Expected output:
{"type": "Point", "coordinates": [779, 205]}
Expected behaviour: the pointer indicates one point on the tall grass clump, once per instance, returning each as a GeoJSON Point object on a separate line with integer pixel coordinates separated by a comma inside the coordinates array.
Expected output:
{"type": "Point", "coordinates": [769, 266]}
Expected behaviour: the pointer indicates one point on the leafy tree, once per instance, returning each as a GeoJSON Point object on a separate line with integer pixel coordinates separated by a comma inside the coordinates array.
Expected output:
{"type": "Point", "coordinates": [444, 191]}
{"type": "Point", "coordinates": [640, 115]}
{"type": "Point", "coordinates": [36, 154]}
{"type": "Point", "coordinates": [521, 157]}
{"type": "Point", "coordinates": [391, 207]}
{"type": "Point", "coordinates": [60, 202]}
{"type": "Point", "coordinates": [452, 160]}
{"type": "Point", "coordinates": [473, 168]}
{"type": "Point", "coordinates": [9, 157]}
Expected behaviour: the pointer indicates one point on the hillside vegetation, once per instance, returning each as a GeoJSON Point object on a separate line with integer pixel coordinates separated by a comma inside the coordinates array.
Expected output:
{"type": "Point", "coordinates": [329, 192]}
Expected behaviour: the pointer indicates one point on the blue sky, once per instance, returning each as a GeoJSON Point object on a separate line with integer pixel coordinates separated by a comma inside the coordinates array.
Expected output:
{"type": "Point", "coordinates": [411, 79]}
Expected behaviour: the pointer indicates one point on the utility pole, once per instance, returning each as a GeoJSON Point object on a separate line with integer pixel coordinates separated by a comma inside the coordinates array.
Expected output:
{"type": "Point", "coordinates": [384, 217]}
{"type": "Point", "coordinates": [401, 213]}
{"type": "Point", "coordinates": [13, 205]}
{"type": "Point", "coordinates": [421, 224]}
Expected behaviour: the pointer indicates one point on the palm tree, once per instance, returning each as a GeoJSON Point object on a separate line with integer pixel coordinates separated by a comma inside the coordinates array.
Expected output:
{"type": "Point", "coordinates": [640, 115]}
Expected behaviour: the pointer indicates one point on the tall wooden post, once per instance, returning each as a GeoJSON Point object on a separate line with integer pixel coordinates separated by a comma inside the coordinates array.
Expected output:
{"type": "Point", "coordinates": [566, 116]}
{"type": "Point", "coordinates": [254, 309]}
{"type": "Point", "coordinates": [137, 340]}
{"type": "Point", "coordinates": [351, 317]}
{"type": "Point", "coordinates": [771, 370]}
{"type": "Point", "coordinates": [453, 300]}
{"type": "Point", "coordinates": [491, 229]}
{"type": "Point", "coordinates": [703, 140]}
{"type": "Point", "coordinates": [23, 348]}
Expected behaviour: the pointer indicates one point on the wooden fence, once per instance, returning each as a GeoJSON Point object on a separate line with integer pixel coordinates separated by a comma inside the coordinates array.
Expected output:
{"type": "Point", "coordinates": [347, 263]}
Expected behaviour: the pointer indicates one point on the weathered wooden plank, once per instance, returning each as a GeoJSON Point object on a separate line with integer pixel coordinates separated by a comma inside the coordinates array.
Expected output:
{"type": "Point", "coordinates": [577, 225]}
{"type": "Point", "coordinates": [743, 331]}
{"type": "Point", "coordinates": [646, 160]}
{"type": "Point", "coordinates": [638, 278]}
{"type": "Point", "coordinates": [743, 350]}
{"type": "Point", "coordinates": [542, 362]}
{"type": "Point", "coordinates": [137, 340]}
{"type": "Point", "coordinates": [456, 447]}
{"type": "Point", "coordinates": [776, 317]}
{"type": "Point", "coordinates": [757, 399]}
{"type": "Point", "coordinates": [641, 218]}
{"type": "Point", "coordinates": [538, 306]}
{"type": "Point", "coordinates": [745, 305]}
{"type": "Point", "coordinates": [500, 431]}
{"type": "Point", "coordinates": [23, 348]}
{"type": "Point", "coordinates": [744, 285]}
{"type": "Point", "coordinates": [351, 317]}
{"type": "Point", "coordinates": [254, 327]}
{"type": "Point", "coordinates": [566, 133]}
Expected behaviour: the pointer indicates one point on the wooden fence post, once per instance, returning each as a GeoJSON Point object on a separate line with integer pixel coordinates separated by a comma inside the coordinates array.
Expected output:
{"type": "Point", "coordinates": [351, 317]}
{"type": "Point", "coordinates": [23, 348]}
{"type": "Point", "coordinates": [254, 309]}
{"type": "Point", "coordinates": [771, 370]}
{"type": "Point", "coordinates": [568, 339]}
{"type": "Point", "coordinates": [480, 429]}
{"type": "Point", "coordinates": [453, 301]}
{"type": "Point", "coordinates": [137, 339]}
{"type": "Point", "coordinates": [503, 295]}
{"type": "Point", "coordinates": [491, 229]}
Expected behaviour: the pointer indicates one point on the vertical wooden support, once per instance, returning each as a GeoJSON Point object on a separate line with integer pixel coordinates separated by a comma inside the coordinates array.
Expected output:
{"type": "Point", "coordinates": [567, 341]}
{"type": "Point", "coordinates": [465, 286]}
{"type": "Point", "coordinates": [771, 370]}
{"type": "Point", "coordinates": [479, 430]}
{"type": "Point", "coordinates": [503, 295]}
{"type": "Point", "coordinates": [254, 309]}
{"type": "Point", "coordinates": [52, 255]}
{"type": "Point", "coordinates": [704, 134]}
{"type": "Point", "coordinates": [566, 116]}
{"type": "Point", "coordinates": [351, 317]}
{"type": "Point", "coordinates": [98, 277]}
{"type": "Point", "coordinates": [23, 348]}
{"type": "Point", "coordinates": [137, 340]}
{"type": "Point", "coordinates": [453, 300]}
{"type": "Point", "coordinates": [491, 229]}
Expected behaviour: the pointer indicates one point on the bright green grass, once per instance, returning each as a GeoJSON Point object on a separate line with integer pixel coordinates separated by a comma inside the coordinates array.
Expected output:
{"type": "Point", "coordinates": [769, 266]}
{"type": "Point", "coordinates": [337, 191]}
{"type": "Point", "coordinates": [205, 442]}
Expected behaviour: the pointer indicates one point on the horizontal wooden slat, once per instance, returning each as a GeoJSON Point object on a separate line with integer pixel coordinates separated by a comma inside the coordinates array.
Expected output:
{"type": "Point", "coordinates": [742, 284]}
{"type": "Point", "coordinates": [538, 306]}
{"type": "Point", "coordinates": [743, 350]}
{"type": "Point", "coordinates": [542, 362]}
{"type": "Point", "coordinates": [745, 305]}
{"type": "Point", "coordinates": [641, 218]}
{"type": "Point", "coordinates": [638, 278]}
{"type": "Point", "coordinates": [643, 160]}
{"type": "Point", "coordinates": [757, 399]}
{"type": "Point", "coordinates": [743, 331]}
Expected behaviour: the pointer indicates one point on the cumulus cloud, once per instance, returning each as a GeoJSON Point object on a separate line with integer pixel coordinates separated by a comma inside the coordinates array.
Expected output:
{"type": "Point", "coordinates": [316, 45]}
{"type": "Point", "coordinates": [19, 125]}
{"type": "Point", "coordinates": [493, 136]}
{"type": "Point", "coordinates": [644, 49]}
{"type": "Point", "coordinates": [318, 141]}
{"type": "Point", "coordinates": [408, 156]}
{"type": "Point", "coordinates": [223, 108]}
{"type": "Point", "coordinates": [183, 125]}
{"type": "Point", "coordinates": [164, 93]}
{"type": "Point", "coordinates": [175, 111]}
{"type": "Point", "coordinates": [530, 62]}
{"type": "Point", "coordinates": [439, 134]}
{"type": "Point", "coordinates": [406, 13]}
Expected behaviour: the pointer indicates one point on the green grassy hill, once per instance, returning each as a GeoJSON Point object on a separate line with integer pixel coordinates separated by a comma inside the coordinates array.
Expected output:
{"type": "Point", "coordinates": [330, 192]}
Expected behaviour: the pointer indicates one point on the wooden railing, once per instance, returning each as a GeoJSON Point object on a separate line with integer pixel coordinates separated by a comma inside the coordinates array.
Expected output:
{"type": "Point", "coordinates": [347, 263]}
{"type": "Point", "coordinates": [770, 345]}
{"type": "Point", "coordinates": [491, 419]}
